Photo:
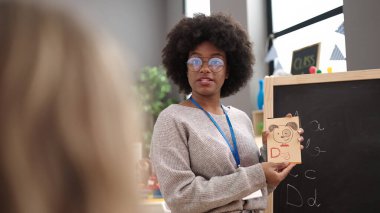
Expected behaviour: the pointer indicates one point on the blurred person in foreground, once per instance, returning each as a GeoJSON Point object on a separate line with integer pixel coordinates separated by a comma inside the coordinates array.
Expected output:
{"type": "Point", "coordinates": [66, 120]}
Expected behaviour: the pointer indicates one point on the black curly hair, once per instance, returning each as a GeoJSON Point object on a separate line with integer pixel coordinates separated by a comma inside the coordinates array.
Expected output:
{"type": "Point", "coordinates": [223, 32]}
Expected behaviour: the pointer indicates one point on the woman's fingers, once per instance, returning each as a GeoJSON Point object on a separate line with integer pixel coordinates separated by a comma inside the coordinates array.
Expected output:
{"type": "Point", "coordinates": [281, 166]}
{"type": "Point", "coordinates": [286, 170]}
{"type": "Point", "coordinates": [276, 172]}
{"type": "Point", "coordinates": [300, 139]}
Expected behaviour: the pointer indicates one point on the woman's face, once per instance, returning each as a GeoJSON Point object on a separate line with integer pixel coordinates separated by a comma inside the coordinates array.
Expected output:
{"type": "Point", "coordinates": [206, 70]}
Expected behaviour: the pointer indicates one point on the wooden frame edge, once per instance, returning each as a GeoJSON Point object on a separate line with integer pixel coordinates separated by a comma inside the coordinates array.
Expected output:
{"type": "Point", "coordinates": [326, 77]}
{"type": "Point", "coordinates": [268, 113]}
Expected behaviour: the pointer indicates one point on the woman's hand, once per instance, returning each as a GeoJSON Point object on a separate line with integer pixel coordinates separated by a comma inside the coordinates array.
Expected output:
{"type": "Point", "coordinates": [276, 172]}
{"type": "Point", "coordinates": [265, 134]}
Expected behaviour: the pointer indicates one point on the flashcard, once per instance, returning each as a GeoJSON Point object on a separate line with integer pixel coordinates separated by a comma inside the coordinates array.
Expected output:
{"type": "Point", "coordinates": [282, 143]}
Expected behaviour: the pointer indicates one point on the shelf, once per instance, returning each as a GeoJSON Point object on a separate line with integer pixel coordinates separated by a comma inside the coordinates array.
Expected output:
{"type": "Point", "coordinates": [257, 119]}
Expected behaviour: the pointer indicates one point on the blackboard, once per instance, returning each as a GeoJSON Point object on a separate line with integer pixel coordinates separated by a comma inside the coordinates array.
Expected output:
{"type": "Point", "coordinates": [340, 114]}
{"type": "Point", "coordinates": [304, 58]}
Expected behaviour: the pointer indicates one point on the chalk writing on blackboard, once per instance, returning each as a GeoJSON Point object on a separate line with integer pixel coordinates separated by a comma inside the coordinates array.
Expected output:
{"type": "Point", "coordinates": [293, 175]}
{"type": "Point", "coordinates": [304, 58]}
{"type": "Point", "coordinates": [318, 151]}
{"type": "Point", "coordinates": [317, 125]}
{"type": "Point", "coordinates": [308, 175]}
{"type": "Point", "coordinates": [294, 197]}
{"type": "Point", "coordinates": [312, 201]}
{"type": "Point", "coordinates": [307, 143]}
{"type": "Point", "coordinates": [294, 202]}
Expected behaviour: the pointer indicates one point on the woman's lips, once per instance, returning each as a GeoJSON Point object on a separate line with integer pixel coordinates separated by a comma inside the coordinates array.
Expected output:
{"type": "Point", "coordinates": [205, 81]}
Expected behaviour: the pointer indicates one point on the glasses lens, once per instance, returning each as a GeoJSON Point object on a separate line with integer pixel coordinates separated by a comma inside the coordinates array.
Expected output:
{"type": "Point", "coordinates": [194, 64]}
{"type": "Point", "coordinates": [216, 64]}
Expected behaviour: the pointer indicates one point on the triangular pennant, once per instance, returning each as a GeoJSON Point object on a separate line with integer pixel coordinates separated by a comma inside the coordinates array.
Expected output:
{"type": "Point", "coordinates": [278, 65]}
{"type": "Point", "coordinates": [340, 29]}
{"type": "Point", "coordinates": [271, 55]}
{"type": "Point", "coordinates": [337, 54]}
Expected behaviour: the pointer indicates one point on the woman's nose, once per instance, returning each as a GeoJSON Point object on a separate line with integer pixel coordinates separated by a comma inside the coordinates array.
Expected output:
{"type": "Point", "coordinates": [205, 68]}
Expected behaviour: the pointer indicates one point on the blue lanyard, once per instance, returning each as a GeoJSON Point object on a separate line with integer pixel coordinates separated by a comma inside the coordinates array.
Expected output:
{"type": "Point", "coordinates": [234, 150]}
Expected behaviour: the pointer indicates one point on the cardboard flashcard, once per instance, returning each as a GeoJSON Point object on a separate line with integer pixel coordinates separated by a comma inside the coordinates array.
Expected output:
{"type": "Point", "coordinates": [282, 143]}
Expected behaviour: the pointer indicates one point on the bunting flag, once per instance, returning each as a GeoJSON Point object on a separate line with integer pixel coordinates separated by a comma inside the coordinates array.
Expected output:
{"type": "Point", "coordinates": [278, 65]}
{"type": "Point", "coordinates": [337, 54]}
{"type": "Point", "coordinates": [271, 55]}
{"type": "Point", "coordinates": [340, 29]}
{"type": "Point", "coordinates": [278, 70]}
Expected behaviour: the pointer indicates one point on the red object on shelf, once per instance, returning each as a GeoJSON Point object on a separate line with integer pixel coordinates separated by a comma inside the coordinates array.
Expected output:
{"type": "Point", "coordinates": [312, 69]}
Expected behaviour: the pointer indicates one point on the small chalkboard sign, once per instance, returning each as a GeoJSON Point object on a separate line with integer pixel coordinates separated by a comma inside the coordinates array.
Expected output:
{"type": "Point", "coordinates": [304, 58]}
{"type": "Point", "coordinates": [340, 113]}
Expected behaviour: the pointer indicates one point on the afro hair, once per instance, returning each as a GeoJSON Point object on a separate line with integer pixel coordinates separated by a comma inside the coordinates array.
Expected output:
{"type": "Point", "coordinates": [223, 32]}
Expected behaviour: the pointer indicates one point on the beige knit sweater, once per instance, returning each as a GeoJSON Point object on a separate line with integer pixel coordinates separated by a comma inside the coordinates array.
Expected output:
{"type": "Point", "coordinates": [195, 167]}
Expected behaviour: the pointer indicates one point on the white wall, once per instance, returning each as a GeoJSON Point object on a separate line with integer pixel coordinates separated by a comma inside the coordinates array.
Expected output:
{"type": "Point", "coordinates": [174, 13]}
{"type": "Point", "coordinates": [257, 28]}
{"type": "Point", "coordinates": [138, 25]}
{"type": "Point", "coordinates": [252, 16]}
{"type": "Point", "coordinates": [141, 27]}
{"type": "Point", "coordinates": [362, 31]}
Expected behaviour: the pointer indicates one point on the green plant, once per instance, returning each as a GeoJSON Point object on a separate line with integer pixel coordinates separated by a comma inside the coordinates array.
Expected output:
{"type": "Point", "coordinates": [153, 91]}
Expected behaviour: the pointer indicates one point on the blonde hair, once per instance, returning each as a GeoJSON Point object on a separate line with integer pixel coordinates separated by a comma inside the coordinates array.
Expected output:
{"type": "Point", "coordinates": [66, 118]}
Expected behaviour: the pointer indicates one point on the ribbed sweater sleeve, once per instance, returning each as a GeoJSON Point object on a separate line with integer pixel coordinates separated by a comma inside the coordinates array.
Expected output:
{"type": "Point", "coordinates": [195, 168]}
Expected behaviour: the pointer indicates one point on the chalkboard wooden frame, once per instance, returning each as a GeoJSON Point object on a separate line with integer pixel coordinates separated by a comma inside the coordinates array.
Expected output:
{"type": "Point", "coordinates": [272, 82]}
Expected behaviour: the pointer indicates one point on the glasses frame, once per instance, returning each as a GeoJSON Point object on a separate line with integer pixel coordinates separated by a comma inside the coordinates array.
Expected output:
{"type": "Point", "coordinates": [191, 67]}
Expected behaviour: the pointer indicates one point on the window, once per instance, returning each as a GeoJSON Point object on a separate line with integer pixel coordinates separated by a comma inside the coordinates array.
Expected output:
{"type": "Point", "coordinates": [329, 32]}
{"type": "Point", "coordinates": [197, 6]}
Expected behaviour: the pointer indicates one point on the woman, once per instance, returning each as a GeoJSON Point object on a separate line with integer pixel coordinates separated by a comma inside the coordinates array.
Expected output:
{"type": "Point", "coordinates": [65, 119]}
{"type": "Point", "coordinates": [203, 152]}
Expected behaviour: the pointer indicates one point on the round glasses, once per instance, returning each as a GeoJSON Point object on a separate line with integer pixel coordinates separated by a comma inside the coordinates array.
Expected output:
{"type": "Point", "coordinates": [214, 64]}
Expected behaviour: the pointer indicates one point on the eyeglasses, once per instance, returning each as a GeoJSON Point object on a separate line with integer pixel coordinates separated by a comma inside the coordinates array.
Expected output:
{"type": "Point", "coordinates": [214, 64]}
